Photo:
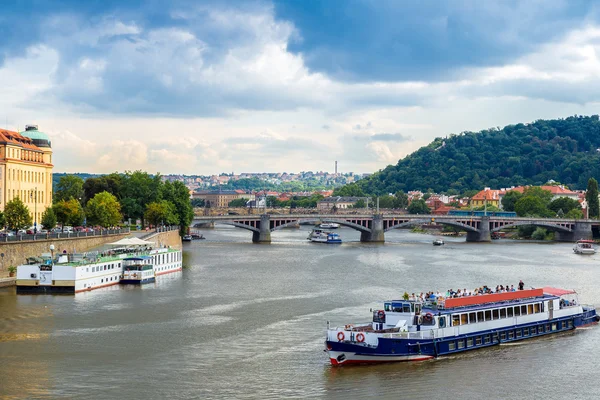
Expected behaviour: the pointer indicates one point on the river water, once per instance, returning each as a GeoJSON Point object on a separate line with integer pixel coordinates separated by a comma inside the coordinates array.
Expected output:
{"type": "Point", "coordinates": [248, 321]}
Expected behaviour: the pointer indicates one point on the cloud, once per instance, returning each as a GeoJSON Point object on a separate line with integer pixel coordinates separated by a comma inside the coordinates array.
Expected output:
{"type": "Point", "coordinates": [389, 137]}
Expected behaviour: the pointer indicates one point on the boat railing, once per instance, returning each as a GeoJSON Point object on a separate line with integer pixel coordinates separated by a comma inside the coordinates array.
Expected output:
{"type": "Point", "coordinates": [428, 334]}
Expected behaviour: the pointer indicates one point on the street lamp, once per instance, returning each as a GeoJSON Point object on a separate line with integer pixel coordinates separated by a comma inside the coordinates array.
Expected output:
{"type": "Point", "coordinates": [33, 197]}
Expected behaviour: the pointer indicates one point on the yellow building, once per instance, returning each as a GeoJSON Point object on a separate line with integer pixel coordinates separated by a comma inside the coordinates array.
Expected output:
{"type": "Point", "coordinates": [26, 170]}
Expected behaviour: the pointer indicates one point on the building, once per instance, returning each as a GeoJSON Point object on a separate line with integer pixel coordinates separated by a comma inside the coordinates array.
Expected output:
{"type": "Point", "coordinates": [217, 198]}
{"type": "Point", "coordinates": [338, 202]}
{"type": "Point", "coordinates": [26, 170]}
{"type": "Point", "coordinates": [557, 191]}
{"type": "Point", "coordinates": [487, 196]}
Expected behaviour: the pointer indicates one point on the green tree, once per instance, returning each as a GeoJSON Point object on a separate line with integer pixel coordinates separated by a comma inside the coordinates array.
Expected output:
{"type": "Point", "coordinates": [565, 204]}
{"type": "Point", "coordinates": [574, 214]}
{"type": "Point", "coordinates": [104, 210]}
{"type": "Point", "coordinates": [161, 212]}
{"type": "Point", "coordinates": [238, 203]}
{"type": "Point", "coordinates": [69, 212]}
{"type": "Point", "coordinates": [2, 220]}
{"type": "Point", "coordinates": [418, 207]}
{"type": "Point", "coordinates": [106, 183]}
{"type": "Point", "coordinates": [350, 190]}
{"type": "Point", "coordinates": [68, 187]}
{"type": "Point", "coordinates": [48, 218]}
{"type": "Point", "coordinates": [591, 197]}
{"type": "Point", "coordinates": [386, 201]}
{"type": "Point", "coordinates": [401, 200]}
{"type": "Point", "coordinates": [360, 203]}
{"type": "Point", "coordinates": [17, 215]}
{"type": "Point", "coordinates": [178, 194]}
{"type": "Point", "coordinates": [536, 191]}
{"type": "Point", "coordinates": [531, 206]}
{"type": "Point", "coordinates": [539, 234]}
{"type": "Point", "coordinates": [509, 200]}
{"type": "Point", "coordinates": [138, 189]}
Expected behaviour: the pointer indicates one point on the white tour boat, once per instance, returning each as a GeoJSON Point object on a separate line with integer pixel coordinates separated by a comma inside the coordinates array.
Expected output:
{"type": "Point", "coordinates": [584, 247]}
{"type": "Point", "coordinates": [138, 270]}
{"type": "Point", "coordinates": [321, 236]}
{"type": "Point", "coordinates": [73, 273]}
{"type": "Point", "coordinates": [329, 225]}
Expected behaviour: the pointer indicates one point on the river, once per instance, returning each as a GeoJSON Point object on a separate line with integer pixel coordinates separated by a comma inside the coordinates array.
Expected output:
{"type": "Point", "coordinates": [246, 320]}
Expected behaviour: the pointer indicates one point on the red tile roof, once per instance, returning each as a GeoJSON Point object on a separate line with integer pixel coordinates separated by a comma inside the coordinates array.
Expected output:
{"type": "Point", "coordinates": [16, 139]}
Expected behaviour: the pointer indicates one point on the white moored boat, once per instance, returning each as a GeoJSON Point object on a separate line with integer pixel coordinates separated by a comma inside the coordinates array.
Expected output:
{"type": "Point", "coordinates": [329, 225]}
{"type": "Point", "coordinates": [584, 247]}
{"type": "Point", "coordinates": [138, 270]}
{"type": "Point", "coordinates": [73, 273]}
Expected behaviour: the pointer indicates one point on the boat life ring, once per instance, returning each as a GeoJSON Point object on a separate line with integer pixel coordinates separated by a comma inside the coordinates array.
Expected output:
{"type": "Point", "coordinates": [360, 338]}
{"type": "Point", "coordinates": [341, 336]}
{"type": "Point", "coordinates": [381, 314]}
{"type": "Point", "coordinates": [428, 317]}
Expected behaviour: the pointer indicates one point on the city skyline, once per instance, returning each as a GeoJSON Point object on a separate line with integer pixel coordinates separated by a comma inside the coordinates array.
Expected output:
{"type": "Point", "coordinates": [207, 87]}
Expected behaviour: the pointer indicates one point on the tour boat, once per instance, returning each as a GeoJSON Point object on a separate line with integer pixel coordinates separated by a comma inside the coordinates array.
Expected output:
{"type": "Point", "coordinates": [73, 273]}
{"type": "Point", "coordinates": [138, 270]}
{"type": "Point", "coordinates": [329, 225]}
{"type": "Point", "coordinates": [321, 236]}
{"type": "Point", "coordinates": [584, 247]}
{"type": "Point", "coordinates": [438, 242]}
{"type": "Point", "coordinates": [187, 238]}
{"type": "Point", "coordinates": [412, 330]}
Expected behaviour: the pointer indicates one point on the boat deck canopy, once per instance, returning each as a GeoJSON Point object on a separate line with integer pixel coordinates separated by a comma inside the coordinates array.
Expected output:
{"type": "Point", "coordinates": [557, 291]}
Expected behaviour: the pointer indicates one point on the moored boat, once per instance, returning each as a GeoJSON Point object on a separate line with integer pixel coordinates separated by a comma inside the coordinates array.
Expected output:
{"type": "Point", "coordinates": [584, 247]}
{"type": "Point", "coordinates": [438, 242]}
{"type": "Point", "coordinates": [138, 270]}
{"type": "Point", "coordinates": [329, 225]}
{"type": "Point", "coordinates": [413, 330]}
{"type": "Point", "coordinates": [186, 238]}
{"type": "Point", "coordinates": [321, 236]}
{"type": "Point", "coordinates": [73, 273]}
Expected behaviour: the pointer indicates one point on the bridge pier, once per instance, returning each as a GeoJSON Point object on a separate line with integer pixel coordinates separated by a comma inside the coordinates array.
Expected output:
{"type": "Point", "coordinates": [376, 235]}
{"type": "Point", "coordinates": [482, 234]}
{"type": "Point", "coordinates": [581, 230]}
{"type": "Point", "coordinates": [264, 233]}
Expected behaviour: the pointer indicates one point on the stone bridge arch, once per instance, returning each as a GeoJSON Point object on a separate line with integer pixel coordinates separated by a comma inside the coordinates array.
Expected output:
{"type": "Point", "coordinates": [437, 221]}
{"type": "Point", "coordinates": [342, 222]}
{"type": "Point", "coordinates": [550, 226]}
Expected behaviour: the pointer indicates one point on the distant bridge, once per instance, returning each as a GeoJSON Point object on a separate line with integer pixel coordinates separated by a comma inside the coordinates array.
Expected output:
{"type": "Point", "coordinates": [372, 228]}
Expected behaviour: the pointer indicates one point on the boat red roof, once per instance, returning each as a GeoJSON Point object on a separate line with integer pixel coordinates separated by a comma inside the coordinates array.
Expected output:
{"type": "Point", "coordinates": [492, 298]}
{"type": "Point", "coordinates": [557, 291]}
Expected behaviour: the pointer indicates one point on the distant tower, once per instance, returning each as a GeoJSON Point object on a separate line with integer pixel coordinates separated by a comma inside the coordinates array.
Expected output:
{"type": "Point", "coordinates": [336, 167]}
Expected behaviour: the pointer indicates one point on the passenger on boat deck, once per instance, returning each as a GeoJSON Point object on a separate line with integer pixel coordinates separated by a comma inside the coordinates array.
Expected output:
{"type": "Point", "coordinates": [521, 285]}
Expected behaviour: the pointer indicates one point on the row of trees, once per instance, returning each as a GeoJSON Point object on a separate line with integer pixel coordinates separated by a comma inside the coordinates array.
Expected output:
{"type": "Point", "coordinates": [108, 199]}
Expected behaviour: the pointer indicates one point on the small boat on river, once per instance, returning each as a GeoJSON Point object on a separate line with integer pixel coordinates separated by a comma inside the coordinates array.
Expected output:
{"type": "Point", "coordinates": [329, 225]}
{"type": "Point", "coordinates": [414, 330]}
{"type": "Point", "coordinates": [584, 247]}
{"type": "Point", "coordinates": [438, 242]}
{"type": "Point", "coordinates": [321, 236]}
{"type": "Point", "coordinates": [186, 238]}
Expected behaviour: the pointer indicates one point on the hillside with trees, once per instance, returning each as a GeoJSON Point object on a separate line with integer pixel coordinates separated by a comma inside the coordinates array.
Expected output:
{"type": "Point", "coordinates": [563, 150]}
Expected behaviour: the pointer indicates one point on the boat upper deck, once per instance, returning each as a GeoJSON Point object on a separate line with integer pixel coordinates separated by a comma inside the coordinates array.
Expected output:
{"type": "Point", "coordinates": [89, 258]}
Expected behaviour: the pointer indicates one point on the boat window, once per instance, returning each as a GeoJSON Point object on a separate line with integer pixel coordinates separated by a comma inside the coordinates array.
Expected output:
{"type": "Point", "coordinates": [480, 316]}
{"type": "Point", "coordinates": [406, 308]}
{"type": "Point", "coordinates": [511, 335]}
{"type": "Point", "coordinates": [503, 313]}
{"type": "Point", "coordinates": [412, 307]}
{"type": "Point", "coordinates": [455, 319]}
{"type": "Point", "coordinates": [417, 308]}
{"type": "Point", "coordinates": [569, 324]}
{"type": "Point", "coordinates": [509, 312]}
{"type": "Point", "coordinates": [533, 330]}
{"type": "Point", "coordinates": [461, 344]}
{"type": "Point", "coordinates": [542, 306]}
{"type": "Point", "coordinates": [478, 341]}
{"type": "Point", "coordinates": [502, 335]}
{"type": "Point", "coordinates": [487, 339]}
{"type": "Point", "coordinates": [523, 310]}
{"type": "Point", "coordinates": [525, 331]}
{"type": "Point", "coordinates": [518, 333]}
{"type": "Point", "coordinates": [488, 315]}
{"type": "Point", "coordinates": [495, 314]}
{"type": "Point", "coordinates": [517, 311]}
{"type": "Point", "coordinates": [530, 309]}
{"type": "Point", "coordinates": [470, 342]}
{"type": "Point", "coordinates": [547, 327]}
{"type": "Point", "coordinates": [464, 319]}
{"type": "Point", "coordinates": [536, 307]}
{"type": "Point", "coordinates": [472, 319]}
{"type": "Point", "coordinates": [451, 345]}
{"type": "Point", "coordinates": [386, 306]}
{"type": "Point", "coordinates": [442, 322]}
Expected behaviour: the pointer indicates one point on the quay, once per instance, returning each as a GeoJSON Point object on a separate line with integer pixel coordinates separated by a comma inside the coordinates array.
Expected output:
{"type": "Point", "coordinates": [372, 228]}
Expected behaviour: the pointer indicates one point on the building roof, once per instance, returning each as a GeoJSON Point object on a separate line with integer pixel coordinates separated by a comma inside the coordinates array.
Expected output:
{"type": "Point", "coordinates": [488, 194]}
{"type": "Point", "coordinates": [554, 189]}
{"type": "Point", "coordinates": [32, 132]}
{"type": "Point", "coordinates": [341, 199]}
{"type": "Point", "coordinates": [16, 139]}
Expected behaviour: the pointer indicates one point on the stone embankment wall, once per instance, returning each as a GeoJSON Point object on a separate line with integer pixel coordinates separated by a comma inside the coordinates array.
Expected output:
{"type": "Point", "coordinates": [166, 239]}
{"type": "Point", "coordinates": [16, 252]}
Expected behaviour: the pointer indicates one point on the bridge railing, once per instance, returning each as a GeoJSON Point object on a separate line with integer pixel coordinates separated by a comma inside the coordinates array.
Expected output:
{"type": "Point", "coordinates": [61, 235]}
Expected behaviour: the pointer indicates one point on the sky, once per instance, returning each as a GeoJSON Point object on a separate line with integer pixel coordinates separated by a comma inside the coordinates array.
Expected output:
{"type": "Point", "coordinates": [202, 87]}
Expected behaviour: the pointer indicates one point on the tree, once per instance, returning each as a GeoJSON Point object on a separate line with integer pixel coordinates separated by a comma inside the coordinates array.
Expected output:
{"type": "Point", "coordinates": [350, 190]}
{"type": "Point", "coordinates": [574, 214]}
{"type": "Point", "coordinates": [531, 206]}
{"type": "Point", "coordinates": [104, 210]}
{"type": "Point", "coordinates": [2, 220]}
{"type": "Point", "coordinates": [238, 203]}
{"type": "Point", "coordinates": [68, 187]}
{"type": "Point", "coordinates": [536, 191]}
{"type": "Point", "coordinates": [539, 234]}
{"type": "Point", "coordinates": [178, 194]}
{"type": "Point", "coordinates": [161, 212]}
{"type": "Point", "coordinates": [106, 183]}
{"type": "Point", "coordinates": [48, 218]}
{"type": "Point", "coordinates": [387, 201]}
{"type": "Point", "coordinates": [69, 212]}
{"type": "Point", "coordinates": [509, 200]}
{"type": "Point", "coordinates": [17, 215]}
{"type": "Point", "coordinates": [418, 207]}
{"type": "Point", "coordinates": [401, 200]}
{"type": "Point", "coordinates": [360, 203]}
{"type": "Point", "coordinates": [138, 189]}
{"type": "Point", "coordinates": [565, 204]}
{"type": "Point", "coordinates": [591, 197]}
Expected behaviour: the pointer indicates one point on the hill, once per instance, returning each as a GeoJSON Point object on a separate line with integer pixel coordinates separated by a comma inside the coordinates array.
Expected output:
{"type": "Point", "coordinates": [565, 150]}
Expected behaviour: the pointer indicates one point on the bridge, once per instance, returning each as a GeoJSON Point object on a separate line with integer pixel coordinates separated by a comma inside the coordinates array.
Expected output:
{"type": "Point", "coordinates": [372, 228]}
